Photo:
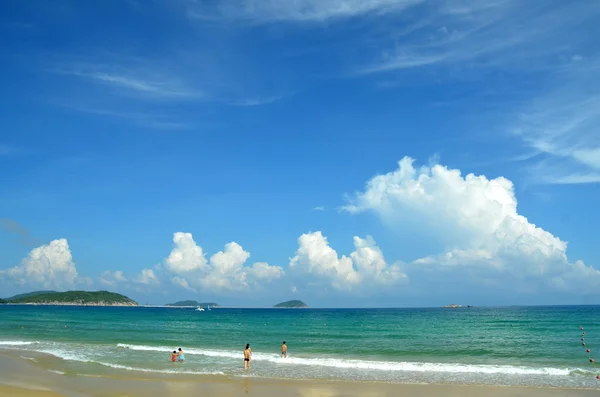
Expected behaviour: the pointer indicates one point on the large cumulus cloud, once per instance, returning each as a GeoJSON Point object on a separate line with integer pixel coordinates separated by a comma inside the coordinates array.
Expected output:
{"type": "Point", "coordinates": [476, 220]}
{"type": "Point", "coordinates": [47, 266]}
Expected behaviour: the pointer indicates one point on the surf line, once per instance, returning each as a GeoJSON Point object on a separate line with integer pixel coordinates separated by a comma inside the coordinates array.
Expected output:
{"type": "Point", "coordinates": [588, 351]}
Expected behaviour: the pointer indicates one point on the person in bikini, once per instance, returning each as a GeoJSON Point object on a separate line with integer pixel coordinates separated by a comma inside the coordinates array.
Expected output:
{"type": "Point", "coordinates": [174, 356]}
{"type": "Point", "coordinates": [283, 350]}
{"type": "Point", "coordinates": [247, 356]}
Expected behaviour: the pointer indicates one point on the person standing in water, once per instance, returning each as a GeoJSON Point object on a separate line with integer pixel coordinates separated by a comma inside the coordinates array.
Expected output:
{"type": "Point", "coordinates": [283, 350]}
{"type": "Point", "coordinates": [174, 356]}
{"type": "Point", "coordinates": [247, 356]}
{"type": "Point", "coordinates": [180, 356]}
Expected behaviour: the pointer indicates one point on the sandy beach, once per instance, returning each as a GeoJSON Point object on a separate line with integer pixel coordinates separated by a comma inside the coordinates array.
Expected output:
{"type": "Point", "coordinates": [21, 377]}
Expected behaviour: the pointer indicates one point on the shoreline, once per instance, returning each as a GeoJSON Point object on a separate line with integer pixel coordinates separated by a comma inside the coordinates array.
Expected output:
{"type": "Point", "coordinates": [34, 374]}
{"type": "Point", "coordinates": [21, 377]}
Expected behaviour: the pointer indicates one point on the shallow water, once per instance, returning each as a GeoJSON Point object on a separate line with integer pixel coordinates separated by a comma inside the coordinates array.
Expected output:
{"type": "Point", "coordinates": [536, 346]}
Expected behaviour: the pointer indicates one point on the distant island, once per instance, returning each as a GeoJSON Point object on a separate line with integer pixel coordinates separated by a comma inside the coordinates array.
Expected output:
{"type": "Point", "coordinates": [28, 294]}
{"type": "Point", "coordinates": [293, 304]}
{"type": "Point", "coordinates": [192, 304]}
{"type": "Point", "coordinates": [2, 301]}
{"type": "Point", "coordinates": [74, 298]}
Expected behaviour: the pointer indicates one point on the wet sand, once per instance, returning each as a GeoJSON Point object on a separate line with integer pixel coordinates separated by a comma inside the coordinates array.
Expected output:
{"type": "Point", "coordinates": [27, 378]}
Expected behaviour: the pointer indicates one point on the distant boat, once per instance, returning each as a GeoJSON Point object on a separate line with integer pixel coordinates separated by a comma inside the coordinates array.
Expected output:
{"type": "Point", "coordinates": [208, 307]}
{"type": "Point", "coordinates": [453, 306]}
{"type": "Point", "coordinates": [199, 309]}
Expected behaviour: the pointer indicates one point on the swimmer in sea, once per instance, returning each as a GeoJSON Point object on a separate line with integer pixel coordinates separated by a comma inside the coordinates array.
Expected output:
{"type": "Point", "coordinates": [247, 356]}
{"type": "Point", "coordinates": [283, 350]}
{"type": "Point", "coordinates": [174, 356]}
{"type": "Point", "coordinates": [180, 356]}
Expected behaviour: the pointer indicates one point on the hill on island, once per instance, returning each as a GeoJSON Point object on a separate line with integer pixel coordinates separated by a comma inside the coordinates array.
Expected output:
{"type": "Point", "coordinates": [27, 295]}
{"type": "Point", "coordinates": [191, 303]}
{"type": "Point", "coordinates": [83, 298]}
{"type": "Point", "coordinates": [293, 304]}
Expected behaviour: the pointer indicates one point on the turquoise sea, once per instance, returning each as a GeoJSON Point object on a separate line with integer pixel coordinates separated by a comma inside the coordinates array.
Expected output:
{"type": "Point", "coordinates": [531, 346]}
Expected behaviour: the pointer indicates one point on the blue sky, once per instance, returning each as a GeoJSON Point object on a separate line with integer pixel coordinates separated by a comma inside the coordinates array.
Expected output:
{"type": "Point", "coordinates": [320, 150]}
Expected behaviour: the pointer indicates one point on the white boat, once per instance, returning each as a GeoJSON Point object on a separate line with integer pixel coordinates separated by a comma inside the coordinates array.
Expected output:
{"type": "Point", "coordinates": [199, 309]}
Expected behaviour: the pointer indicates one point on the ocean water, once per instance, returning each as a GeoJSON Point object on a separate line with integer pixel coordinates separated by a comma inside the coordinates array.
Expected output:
{"type": "Point", "coordinates": [527, 346]}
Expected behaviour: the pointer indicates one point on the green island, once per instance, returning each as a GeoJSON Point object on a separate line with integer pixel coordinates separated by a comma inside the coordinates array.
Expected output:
{"type": "Point", "coordinates": [28, 294]}
{"type": "Point", "coordinates": [2, 302]}
{"type": "Point", "coordinates": [74, 298]}
{"type": "Point", "coordinates": [293, 304]}
{"type": "Point", "coordinates": [191, 303]}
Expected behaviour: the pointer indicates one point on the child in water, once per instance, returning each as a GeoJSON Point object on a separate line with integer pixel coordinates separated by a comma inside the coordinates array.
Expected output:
{"type": "Point", "coordinates": [174, 356]}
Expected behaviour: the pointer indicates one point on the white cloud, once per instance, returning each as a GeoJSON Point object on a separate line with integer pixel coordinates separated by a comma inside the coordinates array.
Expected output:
{"type": "Point", "coordinates": [85, 281]}
{"type": "Point", "coordinates": [370, 263]}
{"type": "Point", "coordinates": [186, 256]}
{"type": "Point", "coordinates": [112, 278]}
{"type": "Point", "coordinates": [144, 83]}
{"type": "Point", "coordinates": [557, 118]}
{"type": "Point", "coordinates": [485, 35]}
{"type": "Point", "coordinates": [562, 126]}
{"type": "Point", "coordinates": [319, 208]}
{"type": "Point", "coordinates": [224, 271]}
{"type": "Point", "coordinates": [314, 256]}
{"type": "Point", "coordinates": [227, 269]}
{"type": "Point", "coordinates": [47, 266]}
{"type": "Point", "coordinates": [475, 218]}
{"type": "Point", "coordinates": [259, 101]}
{"type": "Point", "coordinates": [264, 271]}
{"type": "Point", "coordinates": [181, 282]}
{"type": "Point", "coordinates": [118, 275]}
{"type": "Point", "coordinates": [148, 277]}
{"type": "Point", "coordinates": [264, 11]}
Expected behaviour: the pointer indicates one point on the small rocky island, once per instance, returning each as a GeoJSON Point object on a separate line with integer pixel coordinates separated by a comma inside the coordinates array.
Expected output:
{"type": "Point", "coordinates": [73, 298]}
{"type": "Point", "coordinates": [192, 303]}
{"type": "Point", "coordinates": [293, 304]}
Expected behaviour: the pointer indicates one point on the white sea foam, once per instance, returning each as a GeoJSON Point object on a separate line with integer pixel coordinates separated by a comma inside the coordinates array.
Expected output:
{"type": "Point", "coordinates": [161, 371]}
{"type": "Point", "coordinates": [56, 372]}
{"type": "Point", "coordinates": [369, 365]}
{"type": "Point", "coordinates": [29, 359]}
{"type": "Point", "coordinates": [70, 354]}
{"type": "Point", "coordinates": [15, 343]}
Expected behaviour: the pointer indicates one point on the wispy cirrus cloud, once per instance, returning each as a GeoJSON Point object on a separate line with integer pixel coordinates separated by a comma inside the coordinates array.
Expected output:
{"type": "Point", "coordinates": [124, 86]}
{"type": "Point", "coordinates": [156, 120]}
{"type": "Point", "coordinates": [562, 127]}
{"type": "Point", "coordinates": [547, 47]}
{"type": "Point", "coordinates": [259, 101]}
{"type": "Point", "coordinates": [267, 11]}
{"type": "Point", "coordinates": [122, 82]}
{"type": "Point", "coordinates": [483, 36]}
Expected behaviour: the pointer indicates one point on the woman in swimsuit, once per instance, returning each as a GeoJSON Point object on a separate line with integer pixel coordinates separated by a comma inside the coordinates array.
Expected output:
{"type": "Point", "coordinates": [283, 350]}
{"type": "Point", "coordinates": [180, 356]}
{"type": "Point", "coordinates": [247, 356]}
